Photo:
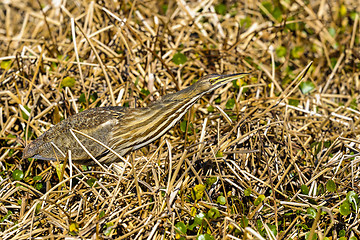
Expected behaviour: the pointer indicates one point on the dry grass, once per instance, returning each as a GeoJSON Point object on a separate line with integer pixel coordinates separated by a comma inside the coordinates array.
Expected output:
{"type": "Point", "coordinates": [258, 139]}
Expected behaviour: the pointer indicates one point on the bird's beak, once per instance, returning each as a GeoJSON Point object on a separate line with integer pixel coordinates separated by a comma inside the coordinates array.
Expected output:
{"type": "Point", "coordinates": [223, 79]}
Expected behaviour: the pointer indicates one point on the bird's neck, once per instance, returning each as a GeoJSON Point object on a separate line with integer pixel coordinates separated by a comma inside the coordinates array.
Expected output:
{"type": "Point", "coordinates": [150, 123]}
{"type": "Point", "coordinates": [184, 95]}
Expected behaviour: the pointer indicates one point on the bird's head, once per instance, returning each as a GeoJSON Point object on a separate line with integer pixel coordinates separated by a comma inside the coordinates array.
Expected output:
{"type": "Point", "coordinates": [213, 81]}
{"type": "Point", "coordinates": [202, 86]}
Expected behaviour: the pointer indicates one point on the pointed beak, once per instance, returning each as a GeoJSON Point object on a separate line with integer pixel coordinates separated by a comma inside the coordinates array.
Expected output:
{"type": "Point", "coordinates": [223, 79]}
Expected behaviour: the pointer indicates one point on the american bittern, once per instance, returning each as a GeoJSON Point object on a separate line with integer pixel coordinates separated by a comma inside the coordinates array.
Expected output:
{"type": "Point", "coordinates": [122, 129]}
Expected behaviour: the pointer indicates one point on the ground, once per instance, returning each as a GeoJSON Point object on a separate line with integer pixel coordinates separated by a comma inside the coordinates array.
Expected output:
{"type": "Point", "coordinates": [271, 156]}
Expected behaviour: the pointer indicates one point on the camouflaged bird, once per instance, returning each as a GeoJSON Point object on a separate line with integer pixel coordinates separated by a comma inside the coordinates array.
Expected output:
{"type": "Point", "coordinates": [122, 129]}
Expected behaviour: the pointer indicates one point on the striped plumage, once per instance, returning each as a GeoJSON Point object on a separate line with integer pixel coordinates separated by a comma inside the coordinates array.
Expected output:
{"type": "Point", "coordinates": [122, 129]}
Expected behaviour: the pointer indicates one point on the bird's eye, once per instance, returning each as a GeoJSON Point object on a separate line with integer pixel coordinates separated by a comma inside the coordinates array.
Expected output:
{"type": "Point", "coordinates": [213, 80]}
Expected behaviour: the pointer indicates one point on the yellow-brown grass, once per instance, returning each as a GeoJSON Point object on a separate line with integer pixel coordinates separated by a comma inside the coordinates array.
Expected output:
{"type": "Point", "coordinates": [257, 139]}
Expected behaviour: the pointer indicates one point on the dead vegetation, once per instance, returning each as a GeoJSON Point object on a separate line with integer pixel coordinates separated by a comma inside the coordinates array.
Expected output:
{"type": "Point", "coordinates": [274, 156]}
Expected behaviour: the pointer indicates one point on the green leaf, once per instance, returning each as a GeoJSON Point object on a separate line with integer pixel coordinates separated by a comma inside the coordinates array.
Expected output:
{"type": "Point", "coordinates": [230, 103]}
{"type": "Point", "coordinates": [267, 5]}
{"type": "Point", "coordinates": [23, 114]}
{"type": "Point", "coordinates": [210, 181]}
{"type": "Point", "coordinates": [210, 109]}
{"type": "Point", "coordinates": [198, 191]}
{"type": "Point", "coordinates": [291, 26]}
{"type": "Point", "coordinates": [213, 213]}
{"type": "Point", "coordinates": [179, 58]}
{"type": "Point", "coordinates": [53, 66]}
{"type": "Point", "coordinates": [205, 236]}
{"type": "Point", "coordinates": [244, 222]}
{"type": "Point", "coordinates": [315, 236]}
{"type": "Point", "coordinates": [333, 62]}
{"type": "Point", "coordinates": [259, 199]}
{"type": "Point", "coordinates": [164, 8]}
{"type": "Point", "coordinates": [297, 51]}
{"type": "Point", "coordinates": [5, 64]}
{"type": "Point", "coordinates": [306, 87]}
{"type": "Point", "coordinates": [331, 186]}
{"type": "Point", "coordinates": [11, 152]}
{"type": "Point", "coordinates": [332, 31]}
{"type": "Point", "coordinates": [353, 238]}
{"type": "Point", "coordinates": [353, 104]}
{"type": "Point", "coordinates": [220, 9]}
{"type": "Point", "coordinates": [294, 102]}
{"type": "Point", "coordinates": [93, 97]}
{"type": "Point", "coordinates": [245, 22]}
{"type": "Point", "coordinates": [221, 200]}
{"type": "Point", "coordinates": [108, 228]}
{"type": "Point", "coordinates": [352, 197]}
{"type": "Point", "coordinates": [82, 98]}
{"type": "Point", "coordinates": [353, 15]}
{"type": "Point", "coordinates": [277, 14]}
{"type": "Point", "coordinates": [272, 229]}
{"type": "Point", "coordinates": [197, 220]}
{"type": "Point", "coordinates": [37, 208]}
{"type": "Point", "coordinates": [259, 224]}
{"type": "Point", "coordinates": [38, 186]}
{"type": "Point", "coordinates": [247, 192]}
{"type": "Point", "coordinates": [236, 84]}
{"type": "Point", "coordinates": [37, 178]}
{"type": "Point", "coordinates": [275, 11]}
{"type": "Point", "coordinates": [281, 51]}
{"type": "Point", "coordinates": [180, 228]}
{"type": "Point", "coordinates": [327, 144]}
{"type": "Point", "coordinates": [18, 175]}
{"type": "Point", "coordinates": [320, 189]}
{"type": "Point", "coordinates": [304, 189]}
{"type": "Point", "coordinates": [91, 181]}
{"type": "Point", "coordinates": [145, 91]}
{"type": "Point", "coordinates": [342, 10]}
{"type": "Point", "coordinates": [102, 214]}
{"type": "Point", "coordinates": [58, 168]}
{"type": "Point", "coordinates": [345, 208]}
{"type": "Point", "coordinates": [342, 233]}
{"type": "Point", "coordinates": [219, 154]}
{"type": "Point", "coordinates": [8, 214]}
{"type": "Point", "coordinates": [311, 212]}
{"type": "Point", "coordinates": [136, 82]}
{"type": "Point", "coordinates": [68, 82]}
{"type": "Point", "coordinates": [183, 125]}
{"type": "Point", "coordinates": [302, 226]}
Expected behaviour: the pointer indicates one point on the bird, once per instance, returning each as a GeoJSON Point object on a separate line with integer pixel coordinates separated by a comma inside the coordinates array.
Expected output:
{"type": "Point", "coordinates": [122, 129]}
